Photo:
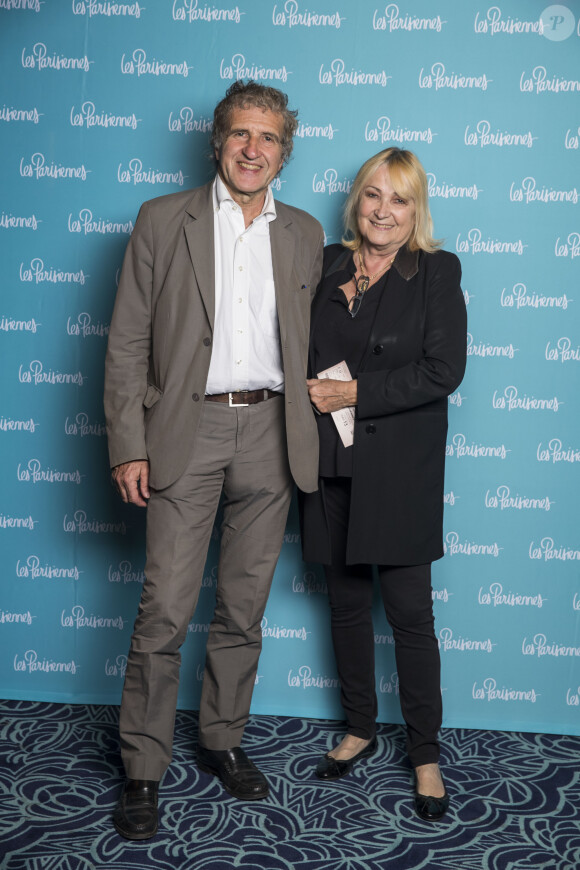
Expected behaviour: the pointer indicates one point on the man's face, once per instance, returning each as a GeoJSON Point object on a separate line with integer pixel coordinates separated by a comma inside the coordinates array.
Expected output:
{"type": "Point", "coordinates": [251, 154]}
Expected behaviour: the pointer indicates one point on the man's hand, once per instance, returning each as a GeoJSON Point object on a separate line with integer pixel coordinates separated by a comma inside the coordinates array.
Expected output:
{"type": "Point", "coordinates": [132, 481]}
{"type": "Point", "coordinates": [329, 395]}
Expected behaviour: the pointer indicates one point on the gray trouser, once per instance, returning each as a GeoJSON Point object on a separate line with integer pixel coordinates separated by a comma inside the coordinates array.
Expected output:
{"type": "Point", "coordinates": [241, 451]}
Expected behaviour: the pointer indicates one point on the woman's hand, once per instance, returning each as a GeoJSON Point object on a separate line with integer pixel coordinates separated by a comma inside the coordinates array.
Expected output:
{"type": "Point", "coordinates": [328, 395]}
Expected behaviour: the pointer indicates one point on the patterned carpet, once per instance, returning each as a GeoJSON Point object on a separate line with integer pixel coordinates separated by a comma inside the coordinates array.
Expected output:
{"type": "Point", "coordinates": [515, 801]}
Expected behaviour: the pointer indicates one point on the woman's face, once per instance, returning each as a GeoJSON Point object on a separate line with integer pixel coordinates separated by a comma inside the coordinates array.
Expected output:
{"type": "Point", "coordinates": [385, 219]}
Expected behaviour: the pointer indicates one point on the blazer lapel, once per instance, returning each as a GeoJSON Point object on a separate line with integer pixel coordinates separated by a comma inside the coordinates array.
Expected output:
{"type": "Point", "coordinates": [200, 242]}
{"type": "Point", "coordinates": [282, 245]}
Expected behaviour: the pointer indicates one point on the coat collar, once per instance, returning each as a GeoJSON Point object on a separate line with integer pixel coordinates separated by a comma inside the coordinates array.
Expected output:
{"type": "Point", "coordinates": [200, 201]}
{"type": "Point", "coordinates": [406, 262]}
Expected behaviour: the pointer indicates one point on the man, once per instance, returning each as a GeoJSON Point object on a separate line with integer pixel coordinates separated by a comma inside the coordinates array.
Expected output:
{"type": "Point", "coordinates": [205, 391]}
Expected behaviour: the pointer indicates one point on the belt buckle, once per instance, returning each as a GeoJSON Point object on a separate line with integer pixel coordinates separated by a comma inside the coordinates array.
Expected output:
{"type": "Point", "coordinates": [236, 404]}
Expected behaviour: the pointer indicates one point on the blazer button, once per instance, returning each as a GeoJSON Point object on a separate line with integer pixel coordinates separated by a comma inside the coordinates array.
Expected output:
{"type": "Point", "coordinates": [377, 349]}
{"type": "Point", "coordinates": [195, 397]}
{"type": "Point", "coordinates": [207, 341]}
{"type": "Point", "coordinates": [371, 429]}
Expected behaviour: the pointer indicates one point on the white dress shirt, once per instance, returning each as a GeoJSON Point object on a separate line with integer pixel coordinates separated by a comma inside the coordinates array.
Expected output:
{"type": "Point", "coordinates": [246, 338]}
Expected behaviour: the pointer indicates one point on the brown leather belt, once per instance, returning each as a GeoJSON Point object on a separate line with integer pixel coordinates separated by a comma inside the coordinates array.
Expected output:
{"type": "Point", "coordinates": [242, 398]}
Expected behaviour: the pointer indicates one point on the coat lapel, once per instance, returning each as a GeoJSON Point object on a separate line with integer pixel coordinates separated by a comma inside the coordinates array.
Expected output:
{"type": "Point", "coordinates": [327, 284]}
{"type": "Point", "coordinates": [200, 242]}
{"type": "Point", "coordinates": [325, 287]}
{"type": "Point", "coordinates": [397, 295]}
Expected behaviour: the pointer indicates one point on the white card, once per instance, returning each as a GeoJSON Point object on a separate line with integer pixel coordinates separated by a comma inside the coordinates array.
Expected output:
{"type": "Point", "coordinates": [343, 419]}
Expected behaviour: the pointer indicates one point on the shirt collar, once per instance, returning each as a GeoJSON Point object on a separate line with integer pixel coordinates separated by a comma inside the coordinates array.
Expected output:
{"type": "Point", "coordinates": [221, 194]}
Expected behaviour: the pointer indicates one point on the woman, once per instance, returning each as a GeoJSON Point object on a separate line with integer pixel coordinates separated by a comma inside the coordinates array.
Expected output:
{"type": "Point", "coordinates": [390, 305]}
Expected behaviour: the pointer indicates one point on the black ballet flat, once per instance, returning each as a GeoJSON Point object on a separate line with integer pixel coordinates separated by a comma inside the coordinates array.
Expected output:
{"type": "Point", "coordinates": [335, 768]}
{"type": "Point", "coordinates": [431, 809]}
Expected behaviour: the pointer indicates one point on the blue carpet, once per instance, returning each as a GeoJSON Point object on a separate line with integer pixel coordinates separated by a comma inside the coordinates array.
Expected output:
{"type": "Point", "coordinates": [515, 800]}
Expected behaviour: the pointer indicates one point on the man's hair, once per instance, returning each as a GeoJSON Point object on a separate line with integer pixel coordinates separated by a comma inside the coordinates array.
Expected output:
{"type": "Point", "coordinates": [243, 96]}
{"type": "Point", "coordinates": [410, 181]}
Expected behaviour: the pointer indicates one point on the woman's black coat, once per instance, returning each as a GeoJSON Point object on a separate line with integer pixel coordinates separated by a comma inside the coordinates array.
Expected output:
{"type": "Point", "coordinates": [415, 358]}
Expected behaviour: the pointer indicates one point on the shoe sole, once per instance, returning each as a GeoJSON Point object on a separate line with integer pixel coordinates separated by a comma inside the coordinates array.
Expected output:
{"type": "Point", "coordinates": [241, 796]}
{"type": "Point", "coordinates": [427, 818]}
{"type": "Point", "coordinates": [130, 836]}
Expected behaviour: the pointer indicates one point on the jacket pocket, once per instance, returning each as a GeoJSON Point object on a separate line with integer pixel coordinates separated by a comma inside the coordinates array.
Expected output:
{"type": "Point", "coordinates": [152, 396]}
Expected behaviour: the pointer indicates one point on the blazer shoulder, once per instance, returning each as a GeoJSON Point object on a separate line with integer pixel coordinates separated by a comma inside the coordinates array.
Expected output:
{"type": "Point", "coordinates": [298, 216]}
{"type": "Point", "coordinates": [177, 202]}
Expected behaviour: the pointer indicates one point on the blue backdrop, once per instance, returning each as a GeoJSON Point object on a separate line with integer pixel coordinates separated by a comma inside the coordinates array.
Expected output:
{"type": "Point", "coordinates": [107, 104]}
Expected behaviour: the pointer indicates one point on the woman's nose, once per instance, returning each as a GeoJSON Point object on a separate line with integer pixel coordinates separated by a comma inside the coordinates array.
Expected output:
{"type": "Point", "coordinates": [382, 210]}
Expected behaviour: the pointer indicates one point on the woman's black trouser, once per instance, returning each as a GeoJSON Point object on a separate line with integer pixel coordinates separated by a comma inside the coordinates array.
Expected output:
{"type": "Point", "coordinates": [407, 597]}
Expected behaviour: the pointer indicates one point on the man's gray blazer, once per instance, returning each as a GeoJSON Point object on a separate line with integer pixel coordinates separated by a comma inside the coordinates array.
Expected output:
{"type": "Point", "coordinates": [162, 330]}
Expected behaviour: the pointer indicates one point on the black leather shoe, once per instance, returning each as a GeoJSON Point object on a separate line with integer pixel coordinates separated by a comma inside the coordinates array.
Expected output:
{"type": "Point", "coordinates": [135, 816]}
{"type": "Point", "coordinates": [335, 768]}
{"type": "Point", "coordinates": [431, 809]}
{"type": "Point", "coordinates": [240, 776]}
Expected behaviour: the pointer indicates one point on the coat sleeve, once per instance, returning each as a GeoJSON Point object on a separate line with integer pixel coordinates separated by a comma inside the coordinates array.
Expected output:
{"type": "Point", "coordinates": [441, 368]}
{"type": "Point", "coordinates": [129, 347]}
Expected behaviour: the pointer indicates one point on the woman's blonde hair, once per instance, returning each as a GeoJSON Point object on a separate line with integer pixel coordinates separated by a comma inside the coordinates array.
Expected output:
{"type": "Point", "coordinates": [410, 181]}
